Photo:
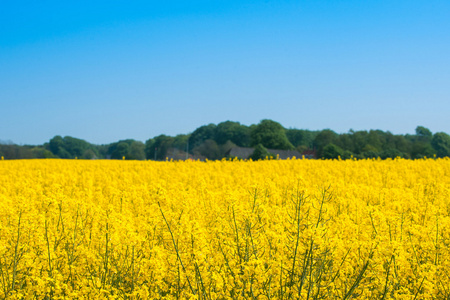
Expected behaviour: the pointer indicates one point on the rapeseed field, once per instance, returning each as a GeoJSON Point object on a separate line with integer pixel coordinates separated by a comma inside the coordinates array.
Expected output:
{"type": "Point", "coordinates": [292, 229]}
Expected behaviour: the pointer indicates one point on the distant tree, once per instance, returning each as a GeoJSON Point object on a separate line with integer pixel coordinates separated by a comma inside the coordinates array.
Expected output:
{"type": "Point", "coordinates": [214, 141]}
{"type": "Point", "coordinates": [102, 151]}
{"type": "Point", "coordinates": [398, 142]}
{"type": "Point", "coordinates": [234, 132]}
{"type": "Point", "coordinates": [441, 143]}
{"type": "Point", "coordinates": [201, 134]}
{"type": "Point", "coordinates": [324, 138]}
{"type": "Point", "coordinates": [76, 147]}
{"type": "Point", "coordinates": [13, 151]}
{"type": "Point", "coordinates": [63, 153]}
{"type": "Point", "coordinates": [89, 154]}
{"type": "Point", "coordinates": [260, 152]}
{"type": "Point", "coordinates": [374, 140]}
{"type": "Point", "coordinates": [208, 149]}
{"type": "Point", "coordinates": [301, 137]}
{"type": "Point", "coordinates": [121, 150]}
{"type": "Point", "coordinates": [70, 147]}
{"type": "Point", "coordinates": [180, 142]}
{"type": "Point", "coordinates": [359, 141]}
{"type": "Point", "coordinates": [225, 148]}
{"type": "Point", "coordinates": [347, 154]}
{"type": "Point", "coordinates": [41, 152]}
{"type": "Point", "coordinates": [370, 154]}
{"type": "Point", "coordinates": [370, 148]}
{"type": "Point", "coordinates": [392, 153]}
{"type": "Point", "coordinates": [301, 148]}
{"type": "Point", "coordinates": [424, 132]}
{"type": "Point", "coordinates": [420, 149]}
{"type": "Point", "coordinates": [149, 149]}
{"type": "Point", "coordinates": [332, 151]}
{"type": "Point", "coordinates": [345, 141]}
{"type": "Point", "coordinates": [158, 147]}
{"type": "Point", "coordinates": [136, 151]}
{"type": "Point", "coordinates": [270, 134]}
{"type": "Point", "coordinates": [56, 144]}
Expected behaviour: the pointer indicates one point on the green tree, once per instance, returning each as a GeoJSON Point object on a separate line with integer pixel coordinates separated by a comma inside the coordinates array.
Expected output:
{"type": "Point", "coordinates": [158, 147]}
{"type": "Point", "coordinates": [420, 149]}
{"type": "Point", "coordinates": [88, 154]}
{"type": "Point", "coordinates": [181, 142]}
{"type": "Point", "coordinates": [359, 141]}
{"type": "Point", "coordinates": [55, 144]}
{"type": "Point", "coordinates": [201, 134]}
{"type": "Point", "coordinates": [345, 141]}
{"type": "Point", "coordinates": [374, 140]}
{"type": "Point", "coordinates": [70, 147]}
{"type": "Point", "coordinates": [324, 138]}
{"type": "Point", "coordinates": [392, 153]}
{"type": "Point", "coordinates": [208, 149]}
{"type": "Point", "coordinates": [332, 151]}
{"type": "Point", "coordinates": [271, 135]}
{"type": "Point", "coordinates": [136, 151]}
{"type": "Point", "coordinates": [149, 145]}
{"type": "Point", "coordinates": [424, 133]}
{"type": "Point", "coordinates": [63, 153]}
{"type": "Point", "coordinates": [41, 152]}
{"type": "Point", "coordinates": [301, 137]}
{"type": "Point", "coordinates": [13, 151]}
{"type": "Point", "coordinates": [74, 146]}
{"type": "Point", "coordinates": [398, 142]}
{"type": "Point", "coordinates": [260, 152]}
{"type": "Point", "coordinates": [441, 143]}
{"type": "Point", "coordinates": [121, 150]}
{"type": "Point", "coordinates": [234, 132]}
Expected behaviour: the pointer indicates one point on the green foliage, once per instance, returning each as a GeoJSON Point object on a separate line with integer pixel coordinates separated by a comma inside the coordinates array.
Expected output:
{"type": "Point", "coordinates": [332, 151]}
{"type": "Point", "coordinates": [214, 142]}
{"type": "Point", "coordinates": [423, 132]}
{"type": "Point", "coordinates": [149, 148]}
{"type": "Point", "coordinates": [270, 134]}
{"type": "Point", "coordinates": [157, 147]}
{"type": "Point", "coordinates": [40, 152]}
{"type": "Point", "coordinates": [70, 147]}
{"type": "Point", "coordinates": [347, 154]}
{"type": "Point", "coordinates": [359, 141]}
{"type": "Point", "coordinates": [420, 149]}
{"type": "Point", "coordinates": [301, 137]}
{"type": "Point", "coordinates": [324, 138]}
{"type": "Point", "coordinates": [398, 142]}
{"type": "Point", "coordinates": [234, 132]}
{"type": "Point", "coordinates": [136, 151]}
{"type": "Point", "coordinates": [392, 153]}
{"type": "Point", "coordinates": [89, 154]}
{"type": "Point", "coordinates": [201, 134]}
{"type": "Point", "coordinates": [208, 149]}
{"type": "Point", "coordinates": [441, 143]}
{"type": "Point", "coordinates": [120, 150]}
{"type": "Point", "coordinates": [56, 144]}
{"type": "Point", "coordinates": [181, 141]}
{"type": "Point", "coordinates": [12, 151]}
{"type": "Point", "coordinates": [260, 153]}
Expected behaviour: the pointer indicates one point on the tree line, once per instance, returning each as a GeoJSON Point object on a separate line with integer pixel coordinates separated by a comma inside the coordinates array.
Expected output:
{"type": "Point", "coordinates": [215, 141]}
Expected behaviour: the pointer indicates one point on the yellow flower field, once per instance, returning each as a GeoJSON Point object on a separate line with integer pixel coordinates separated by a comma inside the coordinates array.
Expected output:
{"type": "Point", "coordinates": [308, 229]}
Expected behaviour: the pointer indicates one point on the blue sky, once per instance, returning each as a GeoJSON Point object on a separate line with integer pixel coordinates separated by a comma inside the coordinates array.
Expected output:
{"type": "Point", "coordinates": [109, 70]}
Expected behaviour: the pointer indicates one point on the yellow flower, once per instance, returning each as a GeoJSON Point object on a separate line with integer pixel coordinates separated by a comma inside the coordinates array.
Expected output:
{"type": "Point", "coordinates": [224, 229]}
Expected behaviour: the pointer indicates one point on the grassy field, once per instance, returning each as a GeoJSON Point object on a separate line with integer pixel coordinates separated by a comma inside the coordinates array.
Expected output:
{"type": "Point", "coordinates": [308, 229]}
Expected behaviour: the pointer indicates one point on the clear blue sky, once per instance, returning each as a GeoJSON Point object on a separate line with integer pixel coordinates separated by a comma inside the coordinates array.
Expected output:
{"type": "Point", "coordinates": [109, 70]}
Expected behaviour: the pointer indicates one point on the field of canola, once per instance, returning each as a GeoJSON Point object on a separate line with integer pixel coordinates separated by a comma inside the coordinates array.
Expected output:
{"type": "Point", "coordinates": [294, 229]}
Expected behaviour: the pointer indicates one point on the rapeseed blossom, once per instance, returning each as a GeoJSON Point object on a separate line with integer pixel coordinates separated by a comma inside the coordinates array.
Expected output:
{"type": "Point", "coordinates": [293, 229]}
